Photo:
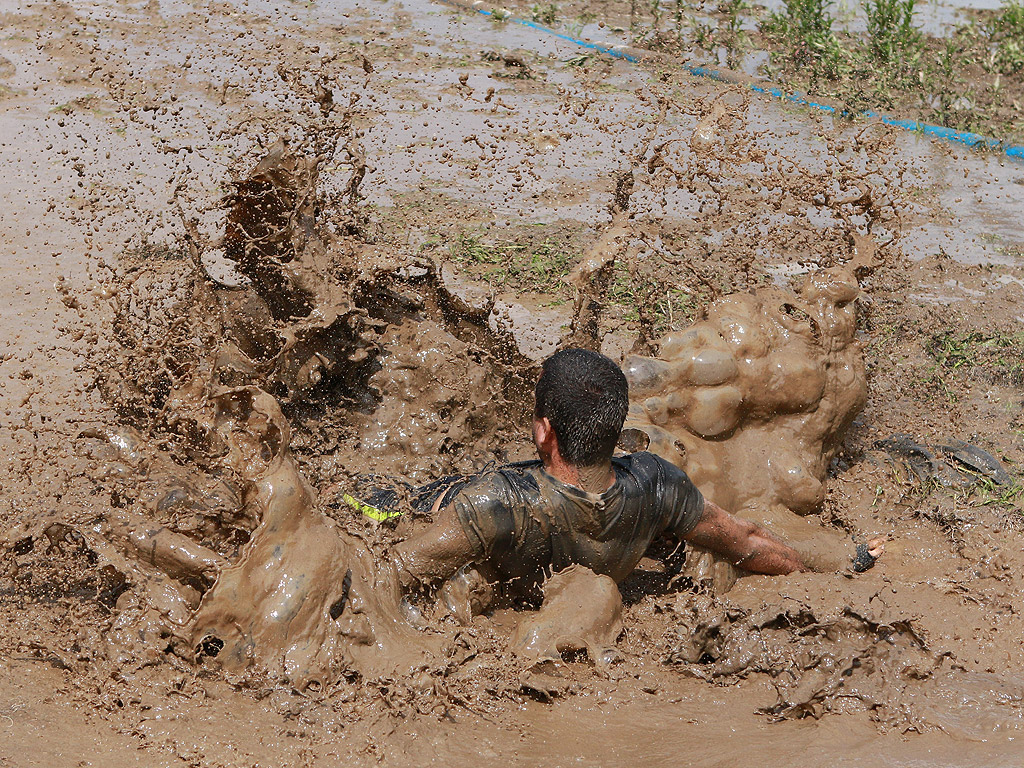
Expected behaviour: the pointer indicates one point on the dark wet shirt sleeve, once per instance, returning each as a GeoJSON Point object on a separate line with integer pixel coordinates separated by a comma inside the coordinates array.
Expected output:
{"type": "Point", "coordinates": [484, 508]}
{"type": "Point", "coordinates": [684, 502]}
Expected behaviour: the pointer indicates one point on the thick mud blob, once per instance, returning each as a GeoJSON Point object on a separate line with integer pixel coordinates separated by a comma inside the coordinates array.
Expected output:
{"type": "Point", "coordinates": [754, 401]}
{"type": "Point", "coordinates": [435, 394]}
{"type": "Point", "coordinates": [581, 617]}
{"type": "Point", "coordinates": [304, 601]}
{"type": "Point", "coordinates": [581, 612]}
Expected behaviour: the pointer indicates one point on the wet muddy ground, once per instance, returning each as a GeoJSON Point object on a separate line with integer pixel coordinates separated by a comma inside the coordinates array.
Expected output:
{"type": "Point", "coordinates": [451, 237]}
{"type": "Point", "coordinates": [955, 64]}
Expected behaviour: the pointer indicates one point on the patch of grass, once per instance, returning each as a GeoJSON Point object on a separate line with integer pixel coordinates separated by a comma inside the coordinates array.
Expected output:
{"type": "Point", "coordinates": [892, 38]}
{"type": "Point", "coordinates": [545, 14]}
{"type": "Point", "coordinates": [1006, 31]}
{"type": "Point", "coordinates": [804, 33]}
{"type": "Point", "coordinates": [970, 78]}
{"type": "Point", "coordinates": [581, 60]}
{"type": "Point", "coordinates": [470, 248]}
{"type": "Point", "coordinates": [538, 267]}
{"type": "Point", "coordinates": [672, 311]}
{"type": "Point", "coordinates": [1000, 355]}
{"type": "Point", "coordinates": [988, 493]}
{"type": "Point", "coordinates": [1011, 20]}
{"type": "Point", "coordinates": [983, 492]}
{"type": "Point", "coordinates": [868, 67]}
{"type": "Point", "coordinates": [87, 102]}
{"type": "Point", "coordinates": [891, 64]}
{"type": "Point", "coordinates": [728, 33]}
{"type": "Point", "coordinates": [703, 35]}
{"type": "Point", "coordinates": [657, 307]}
{"type": "Point", "coordinates": [953, 104]}
{"type": "Point", "coordinates": [732, 10]}
{"type": "Point", "coordinates": [731, 32]}
{"type": "Point", "coordinates": [576, 27]}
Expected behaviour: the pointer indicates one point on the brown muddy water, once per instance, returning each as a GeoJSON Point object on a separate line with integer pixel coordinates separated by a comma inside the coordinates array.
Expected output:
{"type": "Point", "coordinates": [247, 256]}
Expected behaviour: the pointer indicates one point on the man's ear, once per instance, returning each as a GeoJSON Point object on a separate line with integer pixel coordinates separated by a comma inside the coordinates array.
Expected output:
{"type": "Point", "coordinates": [545, 434]}
{"type": "Point", "coordinates": [545, 440]}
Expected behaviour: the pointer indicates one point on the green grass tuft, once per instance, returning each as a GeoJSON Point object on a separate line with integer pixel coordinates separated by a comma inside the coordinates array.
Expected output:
{"type": "Point", "coordinates": [804, 33]}
{"type": "Point", "coordinates": [892, 38]}
{"type": "Point", "coordinates": [538, 267]}
{"type": "Point", "coordinates": [999, 355]}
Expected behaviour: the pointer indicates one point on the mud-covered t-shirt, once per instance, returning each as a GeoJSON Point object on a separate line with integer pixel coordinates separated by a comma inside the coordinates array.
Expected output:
{"type": "Point", "coordinates": [523, 522]}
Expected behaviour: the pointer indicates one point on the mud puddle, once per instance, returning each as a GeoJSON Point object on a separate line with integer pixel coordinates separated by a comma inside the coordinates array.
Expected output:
{"type": "Point", "coordinates": [298, 330]}
{"type": "Point", "coordinates": [703, 224]}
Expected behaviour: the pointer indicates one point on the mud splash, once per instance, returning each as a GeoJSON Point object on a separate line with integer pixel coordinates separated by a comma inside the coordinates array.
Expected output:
{"type": "Point", "coordinates": [768, 380]}
{"type": "Point", "coordinates": [293, 597]}
{"type": "Point", "coordinates": [141, 103]}
{"type": "Point", "coordinates": [754, 401]}
{"type": "Point", "coordinates": [293, 323]}
{"type": "Point", "coordinates": [305, 602]}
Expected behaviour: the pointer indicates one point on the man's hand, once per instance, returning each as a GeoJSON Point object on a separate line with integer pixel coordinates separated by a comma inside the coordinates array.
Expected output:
{"type": "Point", "coordinates": [744, 544]}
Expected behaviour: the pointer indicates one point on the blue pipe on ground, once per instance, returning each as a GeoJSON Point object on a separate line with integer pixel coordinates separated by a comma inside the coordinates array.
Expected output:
{"type": "Point", "coordinates": [634, 56]}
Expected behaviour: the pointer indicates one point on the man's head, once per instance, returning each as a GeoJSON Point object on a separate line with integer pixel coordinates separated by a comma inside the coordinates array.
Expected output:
{"type": "Point", "coordinates": [583, 397]}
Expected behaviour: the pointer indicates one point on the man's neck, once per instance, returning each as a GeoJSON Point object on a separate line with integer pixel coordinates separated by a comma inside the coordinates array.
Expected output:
{"type": "Point", "coordinates": [595, 479]}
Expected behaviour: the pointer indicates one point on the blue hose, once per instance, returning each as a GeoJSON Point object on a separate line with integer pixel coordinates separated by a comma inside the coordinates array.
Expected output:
{"type": "Point", "coordinates": [634, 56]}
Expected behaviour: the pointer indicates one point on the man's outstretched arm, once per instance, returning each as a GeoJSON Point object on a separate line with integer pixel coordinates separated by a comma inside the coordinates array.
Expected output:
{"type": "Point", "coordinates": [435, 554]}
{"type": "Point", "coordinates": [744, 544]}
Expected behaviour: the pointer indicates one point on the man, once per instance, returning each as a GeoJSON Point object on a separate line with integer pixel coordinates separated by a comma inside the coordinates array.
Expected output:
{"type": "Point", "coordinates": [578, 505]}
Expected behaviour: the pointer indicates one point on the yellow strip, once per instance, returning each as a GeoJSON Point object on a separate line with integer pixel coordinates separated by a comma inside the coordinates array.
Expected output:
{"type": "Point", "coordinates": [368, 509]}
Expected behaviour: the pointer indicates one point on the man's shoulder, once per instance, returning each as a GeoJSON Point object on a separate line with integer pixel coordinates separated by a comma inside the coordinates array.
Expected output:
{"type": "Point", "coordinates": [646, 466]}
{"type": "Point", "coordinates": [501, 484]}
{"type": "Point", "coordinates": [495, 504]}
{"type": "Point", "coordinates": [666, 492]}
{"type": "Point", "coordinates": [644, 460]}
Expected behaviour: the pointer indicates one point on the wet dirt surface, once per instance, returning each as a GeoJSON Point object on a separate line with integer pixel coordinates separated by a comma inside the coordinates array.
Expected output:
{"type": "Point", "coordinates": [140, 480]}
{"type": "Point", "coordinates": [971, 90]}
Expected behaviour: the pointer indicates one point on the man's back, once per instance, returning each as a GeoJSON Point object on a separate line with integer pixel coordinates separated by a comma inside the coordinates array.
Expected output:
{"type": "Point", "coordinates": [523, 522]}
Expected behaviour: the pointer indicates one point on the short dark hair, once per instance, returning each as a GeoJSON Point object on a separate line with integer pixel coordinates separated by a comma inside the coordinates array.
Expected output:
{"type": "Point", "coordinates": [585, 396]}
